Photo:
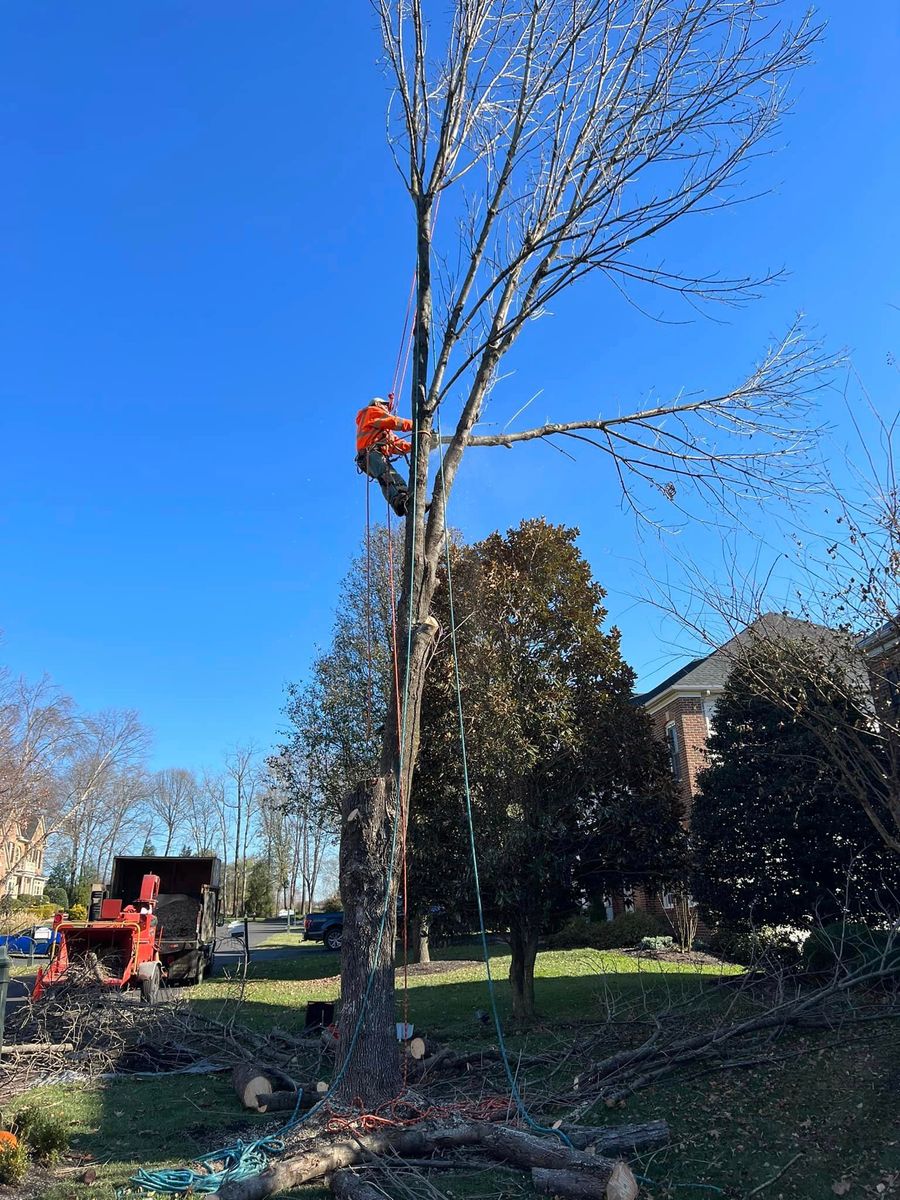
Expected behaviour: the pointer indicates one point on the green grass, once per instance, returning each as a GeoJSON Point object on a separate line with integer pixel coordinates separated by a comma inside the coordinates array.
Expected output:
{"type": "Point", "coordinates": [21, 967]}
{"type": "Point", "coordinates": [832, 1095]}
{"type": "Point", "coordinates": [292, 937]}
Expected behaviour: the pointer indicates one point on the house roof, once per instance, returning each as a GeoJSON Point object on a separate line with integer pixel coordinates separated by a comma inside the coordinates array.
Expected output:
{"type": "Point", "coordinates": [712, 671]}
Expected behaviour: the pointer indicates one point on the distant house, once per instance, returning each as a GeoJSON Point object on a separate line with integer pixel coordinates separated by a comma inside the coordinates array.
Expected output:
{"type": "Point", "coordinates": [22, 861]}
{"type": "Point", "coordinates": [683, 706]}
{"type": "Point", "coordinates": [683, 711]}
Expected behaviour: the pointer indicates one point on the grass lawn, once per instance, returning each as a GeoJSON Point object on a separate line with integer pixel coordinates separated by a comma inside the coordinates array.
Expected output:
{"type": "Point", "coordinates": [832, 1098]}
{"type": "Point", "coordinates": [286, 937]}
{"type": "Point", "coordinates": [20, 967]}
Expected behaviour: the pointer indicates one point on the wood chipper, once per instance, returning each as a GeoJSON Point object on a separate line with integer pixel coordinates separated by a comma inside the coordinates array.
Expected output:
{"type": "Point", "coordinates": [117, 949]}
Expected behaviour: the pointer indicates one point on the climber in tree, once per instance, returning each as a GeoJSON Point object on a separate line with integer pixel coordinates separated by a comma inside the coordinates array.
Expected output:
{"type": "Point", "coordinates": [376, 445]}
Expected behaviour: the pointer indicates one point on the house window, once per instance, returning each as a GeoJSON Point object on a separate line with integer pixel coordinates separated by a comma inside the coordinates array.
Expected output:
{"type": "Point", "coordinates": [668, 899]}
{"type": "Point", "coordinates": [628, 898]}
{"type": "Point", "coordinates": [709, 712]}
{"type": "Point", "coordinates": [674, 750]}
{"type": "Point", "coordinates": [608, 905]}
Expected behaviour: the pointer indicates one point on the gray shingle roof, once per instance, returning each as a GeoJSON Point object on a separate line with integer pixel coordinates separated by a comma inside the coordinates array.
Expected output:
{"type": "Point", "coordinates": [712, 671]}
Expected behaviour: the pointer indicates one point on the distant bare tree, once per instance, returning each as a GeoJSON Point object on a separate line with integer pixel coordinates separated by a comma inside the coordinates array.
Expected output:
{"type": "Point", "coordinates": [55, 762]}
{"type": "Point", "coordinates": [243, 769]}
{"type": "Point", "coordinates": [203, 820]}
{"type": "Point", "coordinates": [172, 794]}
{"type": "Point", "coordinates": [843, 591]}
{"type": "Point", "coordinates": [562, 138]}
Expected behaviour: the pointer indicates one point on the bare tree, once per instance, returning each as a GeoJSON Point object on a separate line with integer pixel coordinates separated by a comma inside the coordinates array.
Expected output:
{"type": "Point", "coordinates": [561, 137]}
{"type": "Point", "coordinates": [242, 768]}
{"type": "Point", "coordinates": [172, 793]}
{"type": "Point", "coordinates": [104, 823]}
{"type": "Point", "coordinates": [214, 798]}
{"type": "Point", "coordinates": [55, 762]}
{"type": "Point", "coordinates": [204, 818]}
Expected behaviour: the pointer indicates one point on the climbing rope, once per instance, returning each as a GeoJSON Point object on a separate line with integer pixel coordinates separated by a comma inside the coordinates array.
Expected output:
{"type": "Point", "coordinates": [238, 1161]}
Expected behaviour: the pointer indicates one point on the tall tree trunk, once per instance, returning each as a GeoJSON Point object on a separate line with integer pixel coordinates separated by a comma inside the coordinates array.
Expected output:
{"type": "Point", "coordinates": [368, 878]}
{"type": "Point", "coordinates": [524, 944]}
{"type": "Point", "coordinates": [421, 949]}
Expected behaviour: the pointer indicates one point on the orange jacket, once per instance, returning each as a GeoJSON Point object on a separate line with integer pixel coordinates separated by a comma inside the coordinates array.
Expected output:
{"type": "Point", "coordinates": [375, 428]}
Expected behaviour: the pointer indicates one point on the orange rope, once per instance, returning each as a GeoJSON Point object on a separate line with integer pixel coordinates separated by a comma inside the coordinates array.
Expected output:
{"type": "Point", "coordinates": [397, 1114]}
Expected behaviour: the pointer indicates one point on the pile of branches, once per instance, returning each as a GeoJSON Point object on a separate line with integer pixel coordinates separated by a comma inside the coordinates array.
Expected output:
{"type": "Point", "coordinates": [743, 1031]}
{"type": "Point", "coordinates": [82, 1027]}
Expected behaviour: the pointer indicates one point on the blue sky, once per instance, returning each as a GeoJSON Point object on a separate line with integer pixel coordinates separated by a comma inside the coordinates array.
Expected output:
{"type": "Point", "coordinates": [206, 252]}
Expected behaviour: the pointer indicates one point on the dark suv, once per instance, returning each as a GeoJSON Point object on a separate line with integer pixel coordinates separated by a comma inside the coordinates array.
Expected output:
{"type": "Point", "coordinates": [327, 927]}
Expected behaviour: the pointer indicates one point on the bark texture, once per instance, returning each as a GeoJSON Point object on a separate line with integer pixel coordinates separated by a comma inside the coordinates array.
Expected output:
{"type": "Point", "coordinates": [524, 944]}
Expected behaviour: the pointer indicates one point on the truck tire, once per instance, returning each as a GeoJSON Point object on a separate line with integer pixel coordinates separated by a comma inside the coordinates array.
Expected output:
{"type": "Point", "coordinates": [150, 986]}
{"type": "Point", "coordinates": [334, 938]}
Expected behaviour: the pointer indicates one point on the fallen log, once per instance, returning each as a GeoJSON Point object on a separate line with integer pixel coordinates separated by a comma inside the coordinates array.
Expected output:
{"type": "Point", "coordinates": [36, 1047]}
{"type": "Point", "coordinates": [586, 1183]}
{"type": "Point", "coordinates": [287, 1101]}
{"type": "Point", "coordinates": [505, 1145]}
{"type": "Point", "coordinates": [616, 1139]}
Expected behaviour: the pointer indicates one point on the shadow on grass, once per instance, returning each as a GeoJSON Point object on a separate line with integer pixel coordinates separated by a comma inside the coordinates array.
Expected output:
{"type": "Point", "coordinates": [454, 1004]}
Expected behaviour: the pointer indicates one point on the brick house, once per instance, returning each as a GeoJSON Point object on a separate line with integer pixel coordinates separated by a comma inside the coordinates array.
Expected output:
{"type": "Point", "coordinates": [22, 861]}
{"type": "Point", "coordinates": [682, 708]}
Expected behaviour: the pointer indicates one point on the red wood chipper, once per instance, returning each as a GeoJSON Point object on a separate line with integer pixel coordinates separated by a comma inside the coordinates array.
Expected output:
{"type": "Point", "coordinates": [117, 949]}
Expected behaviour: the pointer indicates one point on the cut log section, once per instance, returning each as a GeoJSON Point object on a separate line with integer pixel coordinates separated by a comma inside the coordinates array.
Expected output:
{"type": "Point", "coordinates": [250, 1082]}
{"type": "Point", "coordinates": [587, 1183]}
{"type": "Point", "coordinates": [287, 1101]}
{"type": "Point", "coordinates": [256, 1086]}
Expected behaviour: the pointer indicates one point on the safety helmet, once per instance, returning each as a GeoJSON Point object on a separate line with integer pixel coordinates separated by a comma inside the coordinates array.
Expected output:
{"type": "Point", "coordinates": [383, 403]}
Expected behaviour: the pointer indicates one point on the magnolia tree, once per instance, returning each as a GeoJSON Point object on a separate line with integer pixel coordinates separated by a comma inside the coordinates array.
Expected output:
{"type": "Point", "coordinates": [562, 138]}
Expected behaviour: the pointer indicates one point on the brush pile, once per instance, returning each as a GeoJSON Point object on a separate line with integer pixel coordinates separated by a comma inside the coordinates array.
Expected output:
{"type": "Point", "coordinates": [85, 1029]}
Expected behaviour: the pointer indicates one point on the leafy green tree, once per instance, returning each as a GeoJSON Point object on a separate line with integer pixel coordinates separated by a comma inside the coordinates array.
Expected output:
{"type": "Point", "coordinates": [148, 848]}
{"type": "Point", "coordinates": [568, 785]}
{"type": "Point", "coordinates": [53, 894]}
{"type": "Point", "coordinates": [260, 897]}
{"type": "Point", "coordinates": [58, 877]}
{"type": "Point", "coordinates": [777, 836]}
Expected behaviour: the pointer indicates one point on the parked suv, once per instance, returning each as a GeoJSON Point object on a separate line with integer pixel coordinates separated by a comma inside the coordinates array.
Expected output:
{"type": "Point", "coordinates": [327, 927]}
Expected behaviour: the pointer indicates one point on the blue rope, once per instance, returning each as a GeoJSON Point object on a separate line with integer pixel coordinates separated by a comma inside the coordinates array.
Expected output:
{"type": "Point", "coordinates": [513, 1086]}
{"type": "Point", "coordinates": [239, 1161]}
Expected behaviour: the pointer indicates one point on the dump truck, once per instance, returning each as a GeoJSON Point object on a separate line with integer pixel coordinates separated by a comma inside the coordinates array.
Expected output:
{"type": "Point", "coordinates": [187, 908]}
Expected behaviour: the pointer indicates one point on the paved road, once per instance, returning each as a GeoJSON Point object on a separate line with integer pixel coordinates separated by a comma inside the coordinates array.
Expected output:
{"type": "Point", "coordinates": [229, 951]}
